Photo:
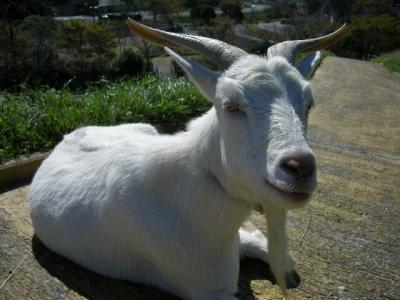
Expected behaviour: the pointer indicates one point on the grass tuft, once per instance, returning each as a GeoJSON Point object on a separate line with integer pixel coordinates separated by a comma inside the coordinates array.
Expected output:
{"type": "Point", "coordinates": [33, 121]}
{"type": "Point", "coordinates": [390, 61]}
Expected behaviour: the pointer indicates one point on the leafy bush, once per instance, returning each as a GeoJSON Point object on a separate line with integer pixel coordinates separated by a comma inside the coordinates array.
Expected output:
{"type": "Point", "coordinates": [41, 56]}
{"type": "Point", "coordinates": [390, 61]}
{"type": "Point", "coordinates": [280, 10]}
{"type": "Point", "coordinates": [28, 53]}
{"type": "Point", "coordinates": [38, 51]}
{"type": "Point", "coordinates": [128, 63]}
{"type": "Point", "coordinates": [232, 9]}
{"type": "Point", "coordinates": [87, 49]}
{"type": "Point", "coordinates": [370, 36]}
{"type": "Point", "coordinates": [371, 7]}
{"type": "Point", "coordinates": [37, 120]}
{"type": "Point", "coordinates": [204, 13]}
{"type": "Point", "coordinates": [13, 45]}
{"type": "Point", "coordinates": [222, 31]}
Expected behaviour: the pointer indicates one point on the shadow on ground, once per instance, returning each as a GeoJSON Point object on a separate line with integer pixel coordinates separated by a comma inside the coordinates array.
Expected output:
{"type": "Point", "coordinates": [93, 286]}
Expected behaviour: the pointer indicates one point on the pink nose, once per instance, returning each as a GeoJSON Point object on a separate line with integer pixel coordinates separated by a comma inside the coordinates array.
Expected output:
{"type": "Point", "coordinates": [300, 165]}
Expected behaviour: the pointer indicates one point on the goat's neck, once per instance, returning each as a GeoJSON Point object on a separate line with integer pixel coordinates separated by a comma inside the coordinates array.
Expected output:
{"type": "Point", "coordinates": [204, 147]}
{"type": "Point", "coordinates": [204, 136]}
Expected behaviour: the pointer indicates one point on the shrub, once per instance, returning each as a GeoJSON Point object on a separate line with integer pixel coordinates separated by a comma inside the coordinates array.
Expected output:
{"type": "Point", "coordinates": [41, 56]}
{"type": "Point", "coordinates": [232, 9]}
{"type": "Point", "coordinates": [128, 63]}
{"type": "Point", "coordinates": [100, 44]}
{"type": "Point", "coordinates": [370, 36]}
{"type": "Point", "coordinates": [222, 31]}
{"type": "Point", "coordinates": [87, 49]}
{"type": "Point", "coordinates": [13, 45]}
{"type": "Point", "coordinates": [279, 10]}
{"type": "Point", "coordinates": [304, 28]}
{"type": "Point", "coordinates": [204, 13]}
{"type": "Point", "coordinates": [390, 61]}
{"type": "Point", "coordinates": [29, 57]}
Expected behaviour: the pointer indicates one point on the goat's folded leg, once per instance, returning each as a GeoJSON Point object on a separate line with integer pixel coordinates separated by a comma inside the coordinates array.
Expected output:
{"type": "Point", "coordinates": [279, 258]}
{"type": "Point", "coordinates": [253, 243]}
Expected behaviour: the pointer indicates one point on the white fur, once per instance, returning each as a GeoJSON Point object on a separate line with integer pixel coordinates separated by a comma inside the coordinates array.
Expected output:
{"type": "Point", "coordinates": [165, 210]}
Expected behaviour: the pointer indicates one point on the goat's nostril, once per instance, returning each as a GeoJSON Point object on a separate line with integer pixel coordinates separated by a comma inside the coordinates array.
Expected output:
{"type": "Point", "coordinates": [299, 165]}
{"type": "Point", "coordinates": [294, 164]}
{"type": "Point", "coordinates": [292, 167]}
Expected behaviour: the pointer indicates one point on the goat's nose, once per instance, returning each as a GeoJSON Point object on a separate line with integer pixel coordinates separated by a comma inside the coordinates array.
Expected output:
{"type": "Point", "coordinates": [298, 164]}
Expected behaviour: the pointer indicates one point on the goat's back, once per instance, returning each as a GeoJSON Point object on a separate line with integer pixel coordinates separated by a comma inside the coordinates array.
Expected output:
{"type": "Point", "coordinates": [77, 196]}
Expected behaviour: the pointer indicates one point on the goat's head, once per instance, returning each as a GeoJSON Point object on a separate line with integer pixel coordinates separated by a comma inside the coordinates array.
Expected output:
{"type": "Point", "coordinates": [262, 105]}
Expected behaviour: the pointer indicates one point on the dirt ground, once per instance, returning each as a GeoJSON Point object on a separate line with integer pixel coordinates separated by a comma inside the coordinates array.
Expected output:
{"type": "Point", "coordinates": [346, 242]}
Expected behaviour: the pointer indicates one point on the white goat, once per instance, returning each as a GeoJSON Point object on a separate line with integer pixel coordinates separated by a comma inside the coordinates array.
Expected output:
{"type": "Point", "coordinates": [166, 210]}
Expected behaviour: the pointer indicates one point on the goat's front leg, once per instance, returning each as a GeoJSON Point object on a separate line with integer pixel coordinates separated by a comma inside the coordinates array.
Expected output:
{"type": "Point", "coordinates": [280, 260]}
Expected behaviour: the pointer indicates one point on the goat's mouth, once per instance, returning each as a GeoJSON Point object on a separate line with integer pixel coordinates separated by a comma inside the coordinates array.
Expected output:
{"type": "Point", "coordinates": [289, 194]}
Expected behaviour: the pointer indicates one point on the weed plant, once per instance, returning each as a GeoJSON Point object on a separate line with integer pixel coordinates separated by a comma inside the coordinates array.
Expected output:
{"type": "Point", "coordinates": [390, 61]}
{"type": "Point", "coordinates": [36, 120]}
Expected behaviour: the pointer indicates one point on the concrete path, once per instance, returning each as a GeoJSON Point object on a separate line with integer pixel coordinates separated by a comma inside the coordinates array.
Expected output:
{"type": "Point", "coordinates": [346, 241]}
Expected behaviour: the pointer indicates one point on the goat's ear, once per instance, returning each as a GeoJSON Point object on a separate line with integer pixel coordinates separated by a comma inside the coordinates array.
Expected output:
{"type": "Point", "coordinates": [308, 65]}
{"type": "Point", "coordinates": [203, 78]}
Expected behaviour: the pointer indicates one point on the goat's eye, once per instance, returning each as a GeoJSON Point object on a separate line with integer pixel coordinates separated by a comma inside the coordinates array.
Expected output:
{"type": "Point", "coordinates": [309, 107]}
{"type": "Point", "coordinates": [233, 106]}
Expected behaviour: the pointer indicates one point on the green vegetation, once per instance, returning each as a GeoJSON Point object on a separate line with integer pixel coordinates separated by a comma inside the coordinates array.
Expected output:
{"type": "Point", "coordinates": [86, 45]}
{"type": "Point", "coordinates": [370, 36]}
{"type": "Point", "coordinates": [37, 120]}
{"type": "Point", "coordinates": [390, 61]}
{"type": "Point", "coordinates": [232, 9]}
{"type": "Point", "coordinates": [373, 24]}
{"type": "Point", "coordinates": [43, 52]}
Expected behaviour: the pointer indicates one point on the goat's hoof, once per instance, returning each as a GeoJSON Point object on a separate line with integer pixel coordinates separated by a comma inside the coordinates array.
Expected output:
{"type": "Point", "coordinates": [292, 280]}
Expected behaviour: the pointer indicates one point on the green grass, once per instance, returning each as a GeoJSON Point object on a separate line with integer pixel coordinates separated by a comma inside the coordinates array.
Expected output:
{"type": "Point", "coordinates": [390, 61]}
{"type": "Point", "coordinates": [36, 120]}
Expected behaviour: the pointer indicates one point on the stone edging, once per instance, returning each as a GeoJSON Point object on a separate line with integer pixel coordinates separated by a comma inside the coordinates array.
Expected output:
{"type": "Point", "coordinates": [20, 170]}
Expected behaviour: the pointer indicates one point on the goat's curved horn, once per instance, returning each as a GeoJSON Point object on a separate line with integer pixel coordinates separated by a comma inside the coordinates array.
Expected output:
{"type": "Point", "coordinates": [289, 49]}
{"type": "Point", "coordinates": [219, 52]}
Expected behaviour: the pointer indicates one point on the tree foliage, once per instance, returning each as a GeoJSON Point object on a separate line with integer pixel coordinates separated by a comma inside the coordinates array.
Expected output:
{"type": "Point", "coordinates": [232, 9]}
{"type": "Point", "coordinates": [128, 63]}
{"type": "Point", "coordinates": [313, 6]}
{"type": "Point", "coordinates": [161, 7]}
{"type": "Point", "coordinates": [281, 9]}
{"type": "Point", "coordinates": [87, 47]}
{"type": "Point", "coordinates": [41, 55]}
{"type": "Point", "coordinates": [44, 52]}
{"type": "Point", "coordinates": [205, 14]}
{"type": "Point", "coordinates": [222, 31]}
{"type": "Point", "coordinates": [13, 11]}
{"type": "Point", "coordinates": [371, 7]}
{"type": "Point", "coordinates": [13, 41]}
{"type": "Point", "coordinates": [201, 11]}
{"type": "Point", "coordinates": [370, 36]}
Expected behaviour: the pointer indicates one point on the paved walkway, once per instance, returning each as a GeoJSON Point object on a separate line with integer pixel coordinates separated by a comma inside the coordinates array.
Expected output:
{"type": "Point", "coordinates": [346, 241]}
